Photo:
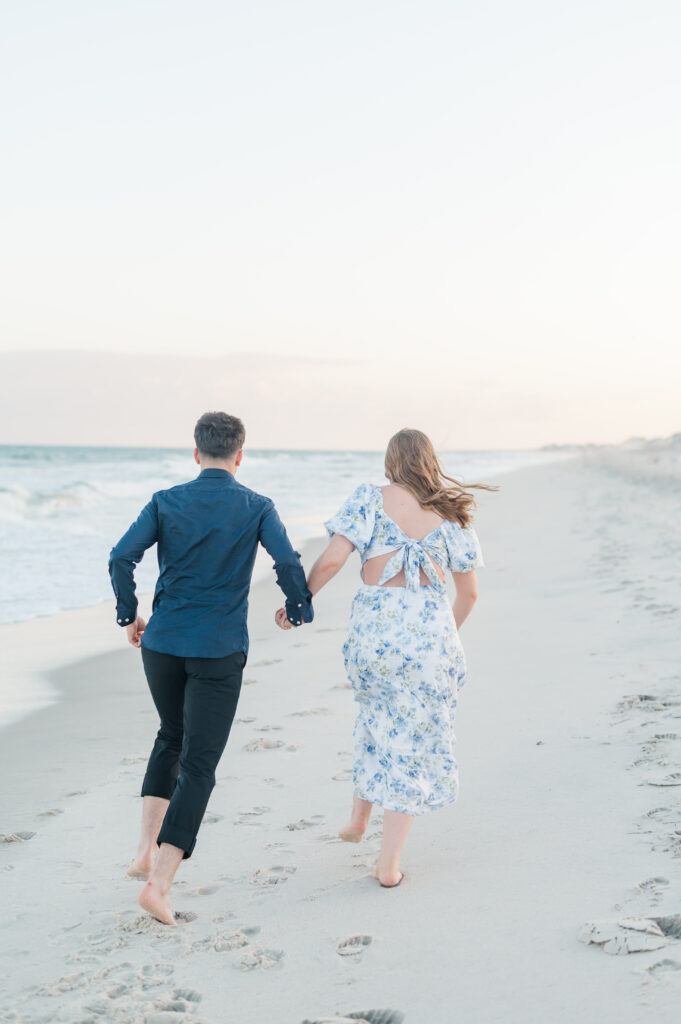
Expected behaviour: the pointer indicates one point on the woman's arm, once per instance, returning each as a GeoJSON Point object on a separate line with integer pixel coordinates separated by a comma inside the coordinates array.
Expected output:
{"type": "Point", "coordinates": [331, 561]}
{"type": "Point", "coordinates": [466, 584]}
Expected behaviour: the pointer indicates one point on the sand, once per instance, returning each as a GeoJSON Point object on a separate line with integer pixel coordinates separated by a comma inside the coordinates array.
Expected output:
{"type": "Point", "coordinates": [564, 846]}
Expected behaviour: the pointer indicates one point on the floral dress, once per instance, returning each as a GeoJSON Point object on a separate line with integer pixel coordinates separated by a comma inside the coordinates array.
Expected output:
{"type": "Point", "coordinates": [404, 658]}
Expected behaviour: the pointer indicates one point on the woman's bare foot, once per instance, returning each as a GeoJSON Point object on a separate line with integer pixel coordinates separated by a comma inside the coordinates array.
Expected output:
{"type": "Point", "coordinates": [157, 903]}
{"type": "Point", "coordinates": [359, 819]}
{"type": "Point", "coordinates": [140, 867]}
{"type": "Point", "coordinates": [353, 832]}
{"type": "Point", "coordinates": [389, 878]}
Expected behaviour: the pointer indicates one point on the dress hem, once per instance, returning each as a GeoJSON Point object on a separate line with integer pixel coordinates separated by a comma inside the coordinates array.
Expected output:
{"type": "Point", "coordinates": [387, 806]}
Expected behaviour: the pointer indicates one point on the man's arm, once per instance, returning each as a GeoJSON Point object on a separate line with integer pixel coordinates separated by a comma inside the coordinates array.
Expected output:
{"type": "Point", "coordinates": [125, 556]}
{"type": "Point", "coordinates": [290, 575]}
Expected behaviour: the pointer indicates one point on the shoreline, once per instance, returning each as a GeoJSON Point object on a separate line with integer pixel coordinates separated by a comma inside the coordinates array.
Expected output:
{"type": "Point", "coordinates": [67, 638]}
{"type": "Point", "coordinates": [26, 688]}
{"type": "Point", "coordinates": [566, 733]}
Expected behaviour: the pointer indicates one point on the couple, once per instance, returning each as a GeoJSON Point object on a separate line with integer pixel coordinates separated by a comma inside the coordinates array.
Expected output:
{"type": "Point", "coordinates": [402, 654]}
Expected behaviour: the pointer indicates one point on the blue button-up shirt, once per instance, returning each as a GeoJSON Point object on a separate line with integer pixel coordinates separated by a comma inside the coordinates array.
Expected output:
{"type": "Point", "coordinates": [207, 532]}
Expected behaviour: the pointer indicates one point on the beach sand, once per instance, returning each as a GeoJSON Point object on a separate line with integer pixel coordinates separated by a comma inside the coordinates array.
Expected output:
{"type": "Point", "coordinates": [568, 824]}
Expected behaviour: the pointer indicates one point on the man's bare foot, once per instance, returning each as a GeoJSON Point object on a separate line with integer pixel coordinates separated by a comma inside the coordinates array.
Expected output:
{"type": "Point", "coordinates": [157, 903]}
{"type": "Point", "coordinates": [352, 833]}
{"type": "Point", "coordinates": [140, 867]}
{"type": "Point", "coordinates": [389, 878]}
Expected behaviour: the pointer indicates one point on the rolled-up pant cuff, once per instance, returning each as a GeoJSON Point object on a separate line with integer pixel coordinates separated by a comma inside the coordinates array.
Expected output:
{"type": "Point", "coordinates": [163, 790]}
{"type": "Point", "coordinates": [178, 837]}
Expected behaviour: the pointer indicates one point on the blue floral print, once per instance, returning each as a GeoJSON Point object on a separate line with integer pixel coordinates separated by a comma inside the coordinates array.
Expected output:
{"type": "Point", "coordinates": [404, 658]}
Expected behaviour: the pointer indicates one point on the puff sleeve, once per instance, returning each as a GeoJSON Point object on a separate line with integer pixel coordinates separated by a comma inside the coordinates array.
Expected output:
{"type": "Point", "coordinates": [463, 548]}
{"type": "Point", "coordinates": [355, 518]}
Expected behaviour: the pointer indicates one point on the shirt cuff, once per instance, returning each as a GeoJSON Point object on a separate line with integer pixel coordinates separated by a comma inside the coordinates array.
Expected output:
{"type": "Point", "coordinates": [125, 618]}
{"type": "Point", "coordinates": [298, 612]}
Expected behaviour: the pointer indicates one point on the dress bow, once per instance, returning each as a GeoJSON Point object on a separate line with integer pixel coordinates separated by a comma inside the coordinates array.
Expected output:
{"type": "Point", "coordinates": [411, 557]}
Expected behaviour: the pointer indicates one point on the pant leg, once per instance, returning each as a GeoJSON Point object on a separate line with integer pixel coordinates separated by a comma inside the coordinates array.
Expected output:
{"type": "Point", "coordinates": [167, 678]}
{"type": "Point", "coordinates": [211, 696]}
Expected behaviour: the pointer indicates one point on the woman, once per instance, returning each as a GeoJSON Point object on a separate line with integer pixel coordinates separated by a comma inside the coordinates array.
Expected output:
{"type": "Point", "coordinates": [402, 654]}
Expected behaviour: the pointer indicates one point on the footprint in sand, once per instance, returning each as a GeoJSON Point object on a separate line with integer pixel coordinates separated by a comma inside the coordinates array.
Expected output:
{"type": "Point", "coordinates": [226, 942]}
{"type": "Point", "coordinates": [53, 812]}
{"type": "Point", "coordinates": [155, 974]}
{"type": "Point", "coordinates": [205, 890]}
{"type": "Point", "coordinates": [297, 826]}
{"type": "Point", "coordinates": [657, 812]}
{"type": "Point", "coordinates": [173, 1014]}
{"type": "Point", "coordinates": [269, 728]}
{"type": "Point", "coordinates": [134, 759]}
{"type": "Point", "coordinates": [263, 743]}
{"type": "Point", "coordinates": [343, 776]}
{"type": "Point", "coordinates": [260, 959]}
{"type": "Point", "coordinates": [222, 942]}
{"type": "Point", "coordinates": [276, 875]}
{"type": "Point", "coordinates": [674, 779]}
{"type": "Point", "coordinates": [77, 792]}
{"type": "Point", "coordinates": [246, 817]}
{"type": "Point", "coordinates": [212, 819]}
{"type": "Point", "coordinates": [663, 967]}
{"type": "Point", "coordinates": [245, 721]}
{"type": "Point", "coordinates": [16, 837]}
{"type": "Point", "coordinates": [146, 923]}
{"type": "Point", "coordinates": [354, 946]}
{"type": "Point", "coordinates": [653, 888]}
{"type": "Point", "coordinates": [266, 661]}
{"type": "Point", "coordinates": [248, 682]}
{"type": "Point", "coordinates": [304, 712]}
{"type": "Point", "coordinates": [362, 1017]}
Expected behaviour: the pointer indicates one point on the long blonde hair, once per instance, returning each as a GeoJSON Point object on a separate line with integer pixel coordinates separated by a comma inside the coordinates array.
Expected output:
{"type": "Point", "coordinates": [411, 462]}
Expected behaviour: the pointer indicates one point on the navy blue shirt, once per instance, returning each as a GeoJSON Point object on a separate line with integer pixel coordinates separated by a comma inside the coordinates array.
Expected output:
{"type": "Point", "coordinates": [207, 532]}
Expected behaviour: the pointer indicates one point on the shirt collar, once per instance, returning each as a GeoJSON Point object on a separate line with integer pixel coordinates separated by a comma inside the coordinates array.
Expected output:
{"type": "Point", "coordinates": [214, 472]}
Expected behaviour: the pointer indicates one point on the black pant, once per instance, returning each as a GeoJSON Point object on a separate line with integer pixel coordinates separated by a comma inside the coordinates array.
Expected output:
{"type": "Point", "coordinates": [196, 699]}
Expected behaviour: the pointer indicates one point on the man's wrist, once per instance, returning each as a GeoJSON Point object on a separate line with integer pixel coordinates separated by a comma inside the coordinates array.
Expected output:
{"type": "Point", "coordinates": [298, 612]}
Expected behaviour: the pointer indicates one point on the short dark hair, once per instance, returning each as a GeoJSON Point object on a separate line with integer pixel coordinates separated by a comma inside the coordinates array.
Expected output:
{"type": "Point", "coordinates": [219, 435]}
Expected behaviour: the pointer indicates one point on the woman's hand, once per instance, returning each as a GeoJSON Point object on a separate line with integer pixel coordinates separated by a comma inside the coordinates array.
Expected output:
{"type": "Point", "coordinates": [281, 619]}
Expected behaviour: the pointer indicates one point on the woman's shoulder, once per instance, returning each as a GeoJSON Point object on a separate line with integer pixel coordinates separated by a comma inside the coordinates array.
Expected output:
{"type": "Point", "coordinates": [365, 492]}
{"type": "Point", "coordinates": [453, 530]}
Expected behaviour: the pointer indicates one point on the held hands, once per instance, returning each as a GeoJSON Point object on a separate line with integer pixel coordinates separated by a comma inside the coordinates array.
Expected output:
{"type": "Point", "coordinates": [135, 630]}
{"type": "Point", "coordinates": [281, 619]}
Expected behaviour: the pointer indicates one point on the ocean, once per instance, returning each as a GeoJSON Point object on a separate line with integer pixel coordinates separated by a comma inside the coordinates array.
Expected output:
{"type": "Point", "coordinates": [63, 508]}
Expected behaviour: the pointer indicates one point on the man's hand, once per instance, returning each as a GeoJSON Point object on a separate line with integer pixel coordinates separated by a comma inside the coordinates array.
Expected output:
{"type": "Point", "coordinates": [281, 619]}
{"type": "Point", "coordinates": [134, 631]}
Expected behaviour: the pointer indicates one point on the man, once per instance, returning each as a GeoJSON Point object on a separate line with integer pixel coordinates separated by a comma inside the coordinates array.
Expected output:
{"type": "Point", "coordinates": [195, 646]}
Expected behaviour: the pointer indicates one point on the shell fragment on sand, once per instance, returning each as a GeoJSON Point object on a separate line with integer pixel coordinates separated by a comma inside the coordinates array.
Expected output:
{"type": "Point", "coordinates": [631, 934]}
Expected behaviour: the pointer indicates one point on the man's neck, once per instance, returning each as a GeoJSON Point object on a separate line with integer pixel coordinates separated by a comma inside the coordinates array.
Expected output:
{"type": "Point", "coordinates": [218, 464]}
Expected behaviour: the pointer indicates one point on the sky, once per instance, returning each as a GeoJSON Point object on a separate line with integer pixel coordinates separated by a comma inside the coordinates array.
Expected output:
{"type": "Point", "coordinates": [458, 216]}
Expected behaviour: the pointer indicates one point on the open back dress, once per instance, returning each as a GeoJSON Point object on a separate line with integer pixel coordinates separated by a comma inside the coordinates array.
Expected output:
{"type": "Point", "coordinates": [404, 658]}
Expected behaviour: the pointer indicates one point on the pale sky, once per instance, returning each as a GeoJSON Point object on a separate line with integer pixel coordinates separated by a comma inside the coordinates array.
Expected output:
{"type": "Point", "coordinates": [471, 208]}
